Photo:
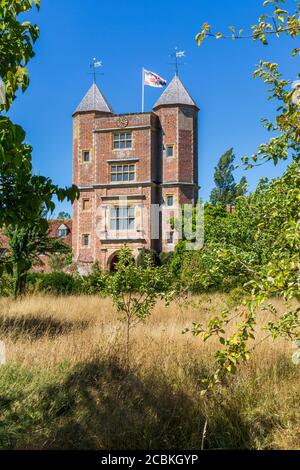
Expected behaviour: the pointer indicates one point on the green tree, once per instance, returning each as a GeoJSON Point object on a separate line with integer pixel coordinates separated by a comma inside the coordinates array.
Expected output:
{"type": "Point", "coordinates": [277, 207]}
{"type": "Point", "coordinates": [136, 289]}
{"type": "Point", "coordinates": [16, 49]}
{"type": "Point", "coordinates": [261, 242]}
{"type": "Point", "coordinates": [58, 261]}
{"type": "Point", "coordinates": [64, 215]}
{"type": "Point", "coordinates": [226, 190]}
{"type": "Point", "coordinates": [145, 255]}
{"type": "Point", "coordinates": [27, 240]}
{"type": "Point", "coordinates": [22, 193]}
{"type": "Point", "coordinates": [210, 268]}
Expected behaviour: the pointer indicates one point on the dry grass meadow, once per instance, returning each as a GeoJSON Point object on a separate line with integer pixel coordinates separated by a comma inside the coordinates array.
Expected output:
{"type": "Point", "coordinates": [65, 385]}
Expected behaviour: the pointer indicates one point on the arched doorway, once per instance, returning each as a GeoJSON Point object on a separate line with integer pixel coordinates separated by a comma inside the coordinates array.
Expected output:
{"type": "Point", "coordinates": [112, 262]}
{"type": "Point", "coordinates": [113, 259]}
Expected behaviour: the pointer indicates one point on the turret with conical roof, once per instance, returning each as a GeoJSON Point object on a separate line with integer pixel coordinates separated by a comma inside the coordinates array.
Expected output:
{"type": "Point", "coordinates": [178, 115]}
{"type": "Point", "coordinates": [93, 107]}
{"type": "Point", "coordinates": [94, 101]}
{"type": "Point", "coordinates": [175, 94]}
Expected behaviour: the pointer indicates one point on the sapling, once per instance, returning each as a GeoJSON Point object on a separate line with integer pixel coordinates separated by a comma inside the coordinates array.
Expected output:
{"type": "Point", "coordinates": [135, 290]}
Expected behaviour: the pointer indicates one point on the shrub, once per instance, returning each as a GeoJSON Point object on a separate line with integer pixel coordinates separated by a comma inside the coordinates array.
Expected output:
{"type": "Point", "coordinates": [57, 283]}
{"type": "Point", "coordinates": [60, 261]}
{"type": "Point", "coordinates": [177, 259]}
{"type": "Point", "coordinates": [94, 284]}
{"type": "Point", "coordinates": [166, 258]}
{"type": "Point", "coordinates": [145, 256]}
{"type": "Point", "coordinates": [60, 283]}
{"type": "Point", "coordinates": [6, 285]}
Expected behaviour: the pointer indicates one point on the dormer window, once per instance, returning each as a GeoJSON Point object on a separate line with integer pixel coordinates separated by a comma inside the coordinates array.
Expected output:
{"type": "Point", "coordinates": [62, 231]}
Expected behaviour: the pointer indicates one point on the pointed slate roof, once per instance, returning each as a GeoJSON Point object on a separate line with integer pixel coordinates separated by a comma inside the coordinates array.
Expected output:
{"type": "Point", "coordinates": [94, 101]}
{"type": "Point", "coordinates": [175, 93]}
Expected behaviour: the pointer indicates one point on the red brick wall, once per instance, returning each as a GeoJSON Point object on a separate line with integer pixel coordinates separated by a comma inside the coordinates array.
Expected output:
{"type": "Point", "coordinates": [140, 126]}
{"type": "Point", "coordinates": [169, 122]}
{"type": "Point", "coordinates": [179, 128]}
{"type": "Point", "coordinates": [83, 173]}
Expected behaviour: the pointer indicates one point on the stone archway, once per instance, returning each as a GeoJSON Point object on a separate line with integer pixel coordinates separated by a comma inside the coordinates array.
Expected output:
{"type": "Point", "coordinates": [113, 259]}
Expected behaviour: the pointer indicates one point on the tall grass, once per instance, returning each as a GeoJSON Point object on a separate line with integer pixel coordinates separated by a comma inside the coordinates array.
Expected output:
{"type": "Point", "coordinates": [65, 384]}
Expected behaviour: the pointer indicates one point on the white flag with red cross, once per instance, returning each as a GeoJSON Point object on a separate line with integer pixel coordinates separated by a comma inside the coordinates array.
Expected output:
{"type": "Point", "coordinates": [154, 80]}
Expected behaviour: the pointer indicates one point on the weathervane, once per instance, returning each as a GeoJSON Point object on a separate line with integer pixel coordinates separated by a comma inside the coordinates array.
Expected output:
{"type": "Point", "coordinates": [177, 55]}
{"type": "Point", "coordinates": [95, 65]}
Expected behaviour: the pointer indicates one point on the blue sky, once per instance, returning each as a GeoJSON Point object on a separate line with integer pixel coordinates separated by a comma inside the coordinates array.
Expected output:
{"type": "Point", "coordinates": [129, 35]}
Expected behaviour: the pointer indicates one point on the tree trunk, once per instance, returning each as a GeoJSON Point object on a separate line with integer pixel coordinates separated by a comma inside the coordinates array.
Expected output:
{"type": "Point", "coordinates": [20, 279]}
{"type": "Point", "coordinates": [23, 282]}
{"type": "Point", "coordinates": [16, 273]}
{"type": "Point", "coordinates": [127, 342]}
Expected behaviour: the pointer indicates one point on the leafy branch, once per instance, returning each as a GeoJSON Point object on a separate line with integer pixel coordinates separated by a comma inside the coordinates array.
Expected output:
{"type": "Point", "coordinates": [281, 23]}
{"type": "Point", "coordinates": [287, 122]}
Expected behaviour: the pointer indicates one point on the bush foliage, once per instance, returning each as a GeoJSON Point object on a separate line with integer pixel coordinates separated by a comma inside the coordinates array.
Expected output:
{"type": "Point", "coordinates": [241, 247]}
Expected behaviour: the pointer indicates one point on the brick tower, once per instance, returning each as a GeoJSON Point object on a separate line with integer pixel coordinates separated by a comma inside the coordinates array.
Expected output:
{"type": "Point", "coordinates": [178, 115]}
{"type": "Point", "coordinates": [124, 164]}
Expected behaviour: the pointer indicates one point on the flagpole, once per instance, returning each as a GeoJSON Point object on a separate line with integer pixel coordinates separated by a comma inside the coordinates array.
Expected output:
{"type": "Point", "coordinates": [143, 89]}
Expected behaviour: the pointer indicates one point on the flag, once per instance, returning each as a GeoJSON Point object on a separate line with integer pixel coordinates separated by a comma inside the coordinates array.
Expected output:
{"type": "Point", "coordinates": [180, 54]}
{"type": "Point", "coordinates": [154, 80]}
{"type": "Point", "coordinates": [96, 63]}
